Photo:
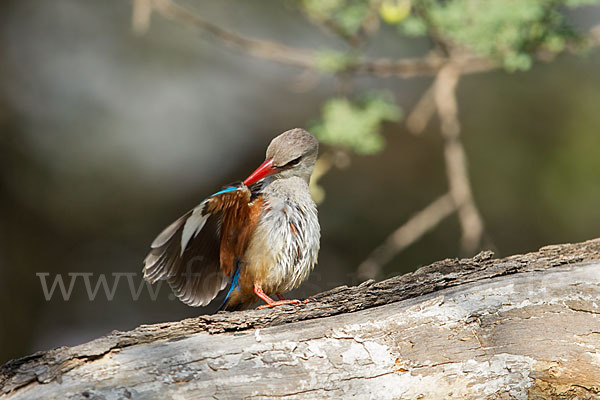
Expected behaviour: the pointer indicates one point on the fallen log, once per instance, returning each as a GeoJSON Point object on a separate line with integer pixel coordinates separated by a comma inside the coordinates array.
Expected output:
{"type": "Point", "coordinates": [526, 326]}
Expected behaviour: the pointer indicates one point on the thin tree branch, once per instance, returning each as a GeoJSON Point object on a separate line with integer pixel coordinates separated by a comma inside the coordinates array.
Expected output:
{"type": "Point", "coordinates": [309, 59]}
{"type": "Point", "coordinates": [594, 35]}
{"type": "Point", "coordinates": [425, 66]}
{"type": "Point", "coordinates": [417, 226]}
{"type": "Point", "coordinates": [265, 49]}
{"type": "Point", "coordinates": [332, 158]}
{"type": "Point", "coordinates": [140, 18]}
{"type": "Point", "coordinates": [421, 114]}
{"type": "Point", "coordinates": [306, 58]}
{"type": "Point", "coordinates": [456, 162]}
{"type": "Point", "coordinates": [441, 96]}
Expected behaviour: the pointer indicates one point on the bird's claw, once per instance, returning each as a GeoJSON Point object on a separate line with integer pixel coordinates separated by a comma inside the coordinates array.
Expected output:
{"type": "Point", "coordinates": [279, 303]}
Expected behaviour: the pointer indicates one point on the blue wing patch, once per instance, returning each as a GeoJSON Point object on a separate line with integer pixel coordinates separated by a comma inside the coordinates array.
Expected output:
{"type": "Point", "coordinates": [234, 286]}
{"type": "Point", "coordinates": [226, 190]}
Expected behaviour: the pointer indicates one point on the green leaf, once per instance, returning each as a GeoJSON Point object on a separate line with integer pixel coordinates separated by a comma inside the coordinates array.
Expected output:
{"type": "Point", "coordinates": [510, 31]}
{"type": "Point", "coordinates": [413, 26]}
{"type": "Point", "coordinates": [348, 15]}
{"type": "Point", "coordinates": [356, 125]}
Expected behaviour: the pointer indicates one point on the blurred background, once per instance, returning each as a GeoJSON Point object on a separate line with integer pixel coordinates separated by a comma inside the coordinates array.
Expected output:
{"type": "Point", "coordinates": [116, 117]}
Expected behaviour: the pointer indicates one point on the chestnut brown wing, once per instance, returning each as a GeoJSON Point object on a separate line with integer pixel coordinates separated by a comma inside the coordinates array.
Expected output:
{"type": "Point", "coordinates": [197, 253]}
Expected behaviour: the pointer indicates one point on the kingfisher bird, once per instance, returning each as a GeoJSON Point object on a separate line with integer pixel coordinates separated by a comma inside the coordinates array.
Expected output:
{"type": "Point", "coordinates": [260, 237]}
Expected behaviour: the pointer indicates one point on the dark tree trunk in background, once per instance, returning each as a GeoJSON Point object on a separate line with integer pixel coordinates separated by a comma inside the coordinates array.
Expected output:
{"type": "Point", "coordinates": [526, 326]}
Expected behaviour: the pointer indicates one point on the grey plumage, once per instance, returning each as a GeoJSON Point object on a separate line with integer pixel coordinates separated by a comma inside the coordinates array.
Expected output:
{"type": "Point", "coordinates": [287, 236]}
{"type": "Point", "coordinates": [288, 230]}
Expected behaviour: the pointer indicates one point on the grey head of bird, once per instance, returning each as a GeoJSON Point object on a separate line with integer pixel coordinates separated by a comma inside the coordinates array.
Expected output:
{"type": "Point", "coordinates": [291, 154]}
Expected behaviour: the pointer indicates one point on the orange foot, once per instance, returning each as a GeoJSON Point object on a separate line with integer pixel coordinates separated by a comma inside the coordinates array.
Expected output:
{"type": "Point", "coordinates": [270, 302]}
{"type": "Point", "coordinates": [279, 303]}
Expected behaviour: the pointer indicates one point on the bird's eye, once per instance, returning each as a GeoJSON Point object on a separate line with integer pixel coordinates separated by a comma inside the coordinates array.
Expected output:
{"type": "Point", "coordinates": [293, 162]}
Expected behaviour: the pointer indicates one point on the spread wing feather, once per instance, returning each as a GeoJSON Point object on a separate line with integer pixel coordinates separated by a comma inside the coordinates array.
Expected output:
{"type": "Point", "coordinates": [188, 252]}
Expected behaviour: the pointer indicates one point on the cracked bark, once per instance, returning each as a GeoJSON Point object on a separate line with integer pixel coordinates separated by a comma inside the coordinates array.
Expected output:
{"type": "Point", "coordinates": [526, 326]}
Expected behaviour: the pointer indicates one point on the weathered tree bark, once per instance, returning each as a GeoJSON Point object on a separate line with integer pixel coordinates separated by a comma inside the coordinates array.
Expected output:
{"type": "Point", "coordinates": [526, 326]}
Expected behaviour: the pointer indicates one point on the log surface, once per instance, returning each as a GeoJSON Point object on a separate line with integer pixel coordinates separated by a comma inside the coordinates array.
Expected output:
{"type": "Point", "coordinates": [526, 326]}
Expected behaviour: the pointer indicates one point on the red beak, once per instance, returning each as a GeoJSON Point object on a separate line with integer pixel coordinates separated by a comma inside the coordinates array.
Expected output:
{"type": "Point", "coordinates": [261, 172]}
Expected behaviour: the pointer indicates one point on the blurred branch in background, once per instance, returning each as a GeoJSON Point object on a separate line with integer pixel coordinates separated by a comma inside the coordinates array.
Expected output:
{"type": "Point", "coordinates": [499, 35]}
{"type": "Point", "coordinates": [421, 114]}
{"type": "Point", "coordinates": [333, 158]}
{"type": "Point", "coordinates": [299, 57]}
{"type": "Point", "coordinates": [455, 158]}
{"type": "Point", "coordinates": [265, 49]}
{"type": "Point", "coordinates": [417, 226]}
{"type": "Point", "coordinates": [441, 96]}
{"type": "Point", "coordinates": [142, 13]}
{"type": "Point", "coordinates": [312, 59]}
